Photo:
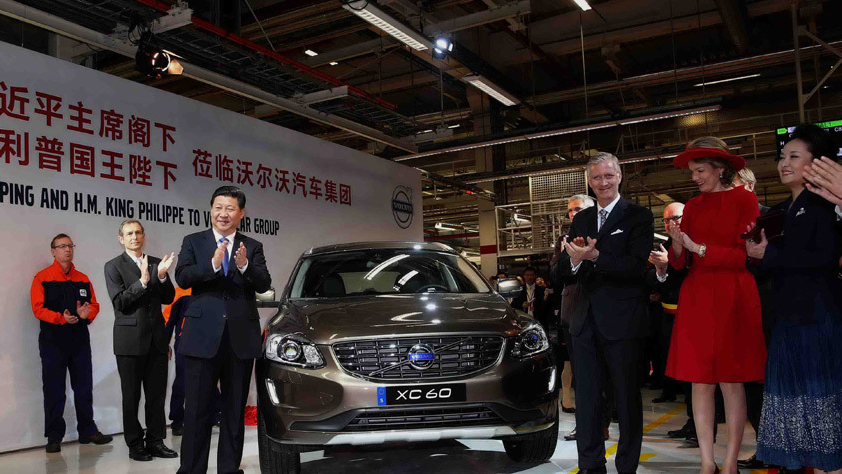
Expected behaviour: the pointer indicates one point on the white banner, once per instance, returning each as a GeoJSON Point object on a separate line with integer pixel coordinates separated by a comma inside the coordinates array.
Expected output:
{"type": "Point", "coordinates": [81, 150]}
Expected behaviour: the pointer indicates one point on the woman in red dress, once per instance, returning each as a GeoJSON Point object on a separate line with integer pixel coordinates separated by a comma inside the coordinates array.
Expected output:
{"type": "Point", "coordinates": [718, 336]}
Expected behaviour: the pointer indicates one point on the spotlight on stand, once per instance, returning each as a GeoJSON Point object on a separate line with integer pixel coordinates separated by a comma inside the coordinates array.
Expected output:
{"type": "Point", "coordinates": [154, 62]}
{"type": "Point", "coordinates": [443, 46]}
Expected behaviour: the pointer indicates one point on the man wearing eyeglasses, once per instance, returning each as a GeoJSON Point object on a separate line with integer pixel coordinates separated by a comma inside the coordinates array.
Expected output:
{"type": "Point", "coordinates": [63, 299]}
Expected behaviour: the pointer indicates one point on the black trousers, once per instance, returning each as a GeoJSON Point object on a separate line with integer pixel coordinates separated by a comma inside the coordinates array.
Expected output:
{"type": "Point", "coordinates": [754, 404]}
{"type": "Point", "coordinates": [200, 380]}
{"type": "Point", "coordinates": [177, 392]}
{"type": "Point", "coordinates": [622, 362]}
{"type": "Point", "coordinates": [150, 373]}
{"type": "Point", "coordinates": [58, 357]}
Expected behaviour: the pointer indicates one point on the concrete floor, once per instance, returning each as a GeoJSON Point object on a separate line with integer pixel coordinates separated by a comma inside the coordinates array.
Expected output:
{"type": "Point", "coordinates": [659, 455]}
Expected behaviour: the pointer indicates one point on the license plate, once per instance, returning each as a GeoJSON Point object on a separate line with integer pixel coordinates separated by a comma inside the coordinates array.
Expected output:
{"type": "Point", "coordinates": [421, 394]}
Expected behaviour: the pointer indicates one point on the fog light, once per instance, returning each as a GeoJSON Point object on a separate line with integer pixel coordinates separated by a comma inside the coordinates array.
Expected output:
{"type": "Point", "coordinates": [551, 386]}
{"type": "Point", "coordinates": [273, 395]}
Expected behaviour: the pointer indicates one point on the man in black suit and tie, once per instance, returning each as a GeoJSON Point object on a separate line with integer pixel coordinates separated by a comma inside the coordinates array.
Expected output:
{"type": "Point", "coordinates": [607, 250]}
{"type": "Point", "coordinates": [138, 285]}
{"type": "Point", "coordinates": [531, 298]}
{"type": "Point", "coordinates": [220, 337]}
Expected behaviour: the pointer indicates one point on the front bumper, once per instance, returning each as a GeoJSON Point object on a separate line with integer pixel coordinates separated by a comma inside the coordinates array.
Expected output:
{"type": "Point", "coordinates": [328, 406]}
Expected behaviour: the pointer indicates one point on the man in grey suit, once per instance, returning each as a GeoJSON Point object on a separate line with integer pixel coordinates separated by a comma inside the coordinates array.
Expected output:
{"type": "Point", "coordinates": [138, 285]}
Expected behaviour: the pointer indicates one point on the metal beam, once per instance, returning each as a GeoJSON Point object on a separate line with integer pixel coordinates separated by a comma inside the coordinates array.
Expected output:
{"type": "Point", "coordinates": [63, 27]}
{"type": "Point", "coordinates": [733, 13]}
{"type": "Point", "coordinates": [491, 15]}
{"type": "Point", "coordinates": [352, 51]}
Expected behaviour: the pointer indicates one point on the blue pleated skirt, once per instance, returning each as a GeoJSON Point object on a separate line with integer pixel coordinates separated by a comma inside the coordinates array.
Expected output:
{"type": "Point", "coordinates": [801, 422]}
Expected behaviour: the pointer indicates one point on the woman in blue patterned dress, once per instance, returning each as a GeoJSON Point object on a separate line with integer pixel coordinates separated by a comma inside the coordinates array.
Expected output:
{"type": "Point", "coordinates": [801, 424]}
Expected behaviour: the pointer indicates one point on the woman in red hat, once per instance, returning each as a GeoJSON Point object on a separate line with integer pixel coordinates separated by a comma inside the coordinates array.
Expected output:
{"type": "Point", "coordinates": [718, 334]}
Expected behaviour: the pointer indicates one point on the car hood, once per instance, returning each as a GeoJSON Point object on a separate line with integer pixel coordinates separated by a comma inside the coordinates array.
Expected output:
{"type": "Point", "coordinates": [329, 320]}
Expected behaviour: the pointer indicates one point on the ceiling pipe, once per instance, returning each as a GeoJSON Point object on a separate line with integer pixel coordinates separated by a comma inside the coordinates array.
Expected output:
{"type": "Point", "coordinates": [72, 30]}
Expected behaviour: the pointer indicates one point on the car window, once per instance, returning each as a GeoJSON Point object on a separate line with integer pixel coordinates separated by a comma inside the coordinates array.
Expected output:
{"type": "Point", "coordinates": [385, 271]}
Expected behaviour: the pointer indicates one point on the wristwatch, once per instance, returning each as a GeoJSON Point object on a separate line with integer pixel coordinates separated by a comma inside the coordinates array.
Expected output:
{"type": "Point", "coordinates": [702, 249]}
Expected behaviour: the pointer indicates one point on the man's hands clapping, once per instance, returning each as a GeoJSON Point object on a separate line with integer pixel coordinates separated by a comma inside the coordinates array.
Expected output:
{"type": "Point", "coordinates": [580, 249]}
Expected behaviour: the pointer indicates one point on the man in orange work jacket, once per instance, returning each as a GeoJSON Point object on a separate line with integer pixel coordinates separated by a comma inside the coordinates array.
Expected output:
{"type": "Point", "coordinates": [63, 299]}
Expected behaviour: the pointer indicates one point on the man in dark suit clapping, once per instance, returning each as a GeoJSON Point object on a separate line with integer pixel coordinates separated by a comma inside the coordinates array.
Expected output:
{"type": "Point", "coordinates": [220, 337]}
{"type": "Point", "coordinates": [138, 285]}
{"type": "Point", "coordinates": [607, 250]}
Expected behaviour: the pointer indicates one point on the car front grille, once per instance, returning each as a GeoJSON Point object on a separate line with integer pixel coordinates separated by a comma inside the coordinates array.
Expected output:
{"type": "Point", "coordinates": [418, 418]}
{"type": "Point", "coordinates": [387, 359]}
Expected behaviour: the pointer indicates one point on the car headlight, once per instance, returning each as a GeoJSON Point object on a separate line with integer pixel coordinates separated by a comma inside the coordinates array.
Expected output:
{"type": "Point", "coordinates": [293, 349]}
{"type": "Point", "coordinates": [531, 340]}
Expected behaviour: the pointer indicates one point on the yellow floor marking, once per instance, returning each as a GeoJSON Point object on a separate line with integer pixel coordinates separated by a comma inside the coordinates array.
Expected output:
{"type": "Point", "coordinates": [612, 450]}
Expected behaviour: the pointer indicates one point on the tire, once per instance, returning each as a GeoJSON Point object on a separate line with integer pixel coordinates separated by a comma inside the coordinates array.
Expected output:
{"type": "Point", "coordinates": [533, 448]}
{"type": "Point", "coordinates": [275, 458]}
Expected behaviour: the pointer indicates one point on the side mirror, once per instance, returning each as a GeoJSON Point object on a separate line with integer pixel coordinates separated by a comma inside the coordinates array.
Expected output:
{"type": "Point", "coordinates": [267, 299]}
{"type": "Point", "coordinates": [509, 287]}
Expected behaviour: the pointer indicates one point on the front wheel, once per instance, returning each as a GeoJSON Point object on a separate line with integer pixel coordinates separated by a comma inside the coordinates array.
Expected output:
{"type": "Point", "coordinates": [535, 447]}
{"type": "Point", "coordinates": [275, 458]}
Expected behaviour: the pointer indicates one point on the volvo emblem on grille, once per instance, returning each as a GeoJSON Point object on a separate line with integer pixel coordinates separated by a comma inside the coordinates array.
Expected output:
{"type": "Point", "coordinates": [421, 356]}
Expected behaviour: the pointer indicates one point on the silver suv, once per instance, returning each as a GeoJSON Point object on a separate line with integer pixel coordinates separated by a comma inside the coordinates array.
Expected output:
{"type": "Point", "coordinates": [382, 342]}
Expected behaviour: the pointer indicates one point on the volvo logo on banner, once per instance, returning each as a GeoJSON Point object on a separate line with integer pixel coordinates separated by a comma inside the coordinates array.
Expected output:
{"type": "Point", "coordinates": [402, 206]}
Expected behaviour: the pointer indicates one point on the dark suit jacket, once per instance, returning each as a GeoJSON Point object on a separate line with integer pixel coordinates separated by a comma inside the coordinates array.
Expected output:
{"type": "Point", "coordinates": [138, 323]}
{"type": "Point", "coordinates": [613, 288]}
{"type": "Point", "coordinates": [539, 305]}
{"type": "Point", "coordinates": [806, 262]}
{"type": "Point", "coordinates": [219, 300]}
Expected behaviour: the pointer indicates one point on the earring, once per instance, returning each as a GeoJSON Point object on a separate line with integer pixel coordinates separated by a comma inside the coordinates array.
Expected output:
{"type": "Point", "coordinates": [720, 175]}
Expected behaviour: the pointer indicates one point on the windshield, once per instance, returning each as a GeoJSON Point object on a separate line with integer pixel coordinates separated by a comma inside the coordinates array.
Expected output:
{"type": "Point", "coordinates": [383, 272]}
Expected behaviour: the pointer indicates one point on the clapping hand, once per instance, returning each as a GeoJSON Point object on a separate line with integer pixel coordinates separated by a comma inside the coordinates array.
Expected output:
{"type": "Point", "coordinates": [69, 317]}
{"type": "Point", "coordinates": [83, 310]}
{"type": "Point", "coordinates": [144, 270]}
{"type": "Point", "coordinates": [580, 250]}
{"type": "Point", "coordinates": [824, 177]}
{"type": "Point", "coordinates": [756, 249]}
{"type": "Point", "coordinates": [240, 257]}
{"type": "Point", "coordinates": [688, 243]}
{"type": "Point", "coordinates": [660, 259]}
{"type": "Point", "coordinates": [219, 255]}
{"type": "Point", "coordinates": [165, 265]}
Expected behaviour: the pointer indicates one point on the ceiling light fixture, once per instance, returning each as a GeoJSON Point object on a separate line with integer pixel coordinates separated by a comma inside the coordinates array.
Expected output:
{"type": "Point", "coordinates": [311, 53]}
{"type": "Point", "coordinates": [750, 76]}
{"type": "Point", "coordinates": [491, 89]}
{"type": "Point", "coordinates": [565, 131]}
{"type": "Point", "coordinates": [334, 63]}
{"type": "Point", "coordinates": [377, 17]}
{"type": "Point", "coordinates": [443, 46]}
{"type": "Point", "coordinates": [583, 4]}
{"type": "Point", "coordinates": [443, 226]}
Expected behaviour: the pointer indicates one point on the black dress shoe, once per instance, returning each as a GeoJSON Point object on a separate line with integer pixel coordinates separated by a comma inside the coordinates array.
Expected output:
{"type": "Point", "coordinates": [689, 443]}
{"type": "Point", "coordinates": [96, 438]}
{"type": "Point", "coordinates": [664, 398]}
{"type": "Point", "coordinates": [751, 463]}
{"type": "Point", "coordinates": [568, 410]}
{"type": "Point", "coordinates": [158, 450]}
{"type": "Point", "coordinates": [53, 447]}
{"type": "Point", "coordinates": [570, 436]}
{"type": "Point", "coordinates": [139, 454]}
{"type": "Point", "coordinates": [177, 430]}
{"type": "Point", "coordinates": [600, 470]}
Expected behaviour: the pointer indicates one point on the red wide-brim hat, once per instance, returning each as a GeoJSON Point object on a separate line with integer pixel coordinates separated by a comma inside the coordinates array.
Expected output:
{"type": "Point", "coordinates": [682, 160]}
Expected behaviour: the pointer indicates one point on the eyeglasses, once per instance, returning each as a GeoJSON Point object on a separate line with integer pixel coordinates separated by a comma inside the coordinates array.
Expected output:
{"type": "Point", "coordinates": [64, 246]}
{"type": "Point", "coordinates": [673, 218]}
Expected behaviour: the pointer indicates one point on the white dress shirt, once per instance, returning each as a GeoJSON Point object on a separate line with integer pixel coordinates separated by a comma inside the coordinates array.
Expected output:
{"type": "Point", "coordinates": [231, 249]}
{"type": "Point", "coordinates": [137, 261]}
{"type": "Point", "coordinates": [608, 208]}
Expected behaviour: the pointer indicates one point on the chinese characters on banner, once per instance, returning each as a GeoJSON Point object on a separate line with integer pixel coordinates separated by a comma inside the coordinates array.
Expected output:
{"type": "Point", "coordinates": [142, 168]}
